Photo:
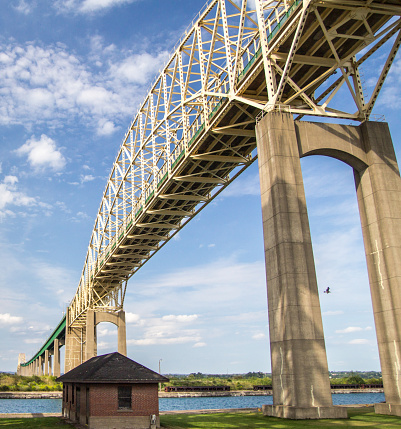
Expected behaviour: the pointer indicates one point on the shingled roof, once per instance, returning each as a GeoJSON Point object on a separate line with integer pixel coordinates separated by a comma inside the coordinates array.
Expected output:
{"type": "Point", "coordinates": [111, 368]}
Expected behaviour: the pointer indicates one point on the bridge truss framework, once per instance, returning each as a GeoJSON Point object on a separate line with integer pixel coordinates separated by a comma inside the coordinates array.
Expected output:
{"type": "Point", "coordinates": [194, 132]}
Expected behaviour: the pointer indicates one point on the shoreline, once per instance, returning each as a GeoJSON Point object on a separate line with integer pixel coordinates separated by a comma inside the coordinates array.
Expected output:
{"type": "Point", "coordinates": [233, 393]}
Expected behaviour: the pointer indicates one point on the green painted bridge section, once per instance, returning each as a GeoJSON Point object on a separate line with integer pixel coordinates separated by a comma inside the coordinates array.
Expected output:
{"type": "Point", "coordinates": [57, 334]}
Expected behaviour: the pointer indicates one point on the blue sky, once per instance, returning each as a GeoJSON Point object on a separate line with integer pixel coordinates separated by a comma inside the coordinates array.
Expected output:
{"type": "Point", "coordinates": [72, 73]}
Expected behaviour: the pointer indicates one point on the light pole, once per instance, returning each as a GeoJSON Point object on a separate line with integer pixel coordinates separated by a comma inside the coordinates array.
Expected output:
{"type": "Point", "coordinates": [160, 385]}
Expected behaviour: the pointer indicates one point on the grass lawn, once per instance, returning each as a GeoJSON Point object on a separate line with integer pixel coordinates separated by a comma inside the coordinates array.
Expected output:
{"type": "Point", "coordinates": [35, 423]}
{"type": "Point", "coordinates": [358, 418]}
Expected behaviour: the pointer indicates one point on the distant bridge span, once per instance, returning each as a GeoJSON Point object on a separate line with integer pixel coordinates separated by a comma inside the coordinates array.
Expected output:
{"type": "Point", "coordinates": [235, 69]}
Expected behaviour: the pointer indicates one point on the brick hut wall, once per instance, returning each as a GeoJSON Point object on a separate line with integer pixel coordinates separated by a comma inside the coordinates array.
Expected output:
{"type": "Point", "coordinates": [104, 400]}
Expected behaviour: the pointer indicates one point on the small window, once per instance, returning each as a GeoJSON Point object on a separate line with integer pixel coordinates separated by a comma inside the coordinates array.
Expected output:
{"type": "Point", "coordinates": [124, 397]}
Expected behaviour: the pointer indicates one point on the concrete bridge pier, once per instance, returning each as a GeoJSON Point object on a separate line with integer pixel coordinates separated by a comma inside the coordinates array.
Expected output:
{"type": "Point", "coordinates": [47, 363]}
{"type": "Point", "coordinates": [299, 364]}
{"type": "Point", "coordinates": [21, 360]}
{"type": "Point", "coordinates": [40, 365]}
{"type": "Point", "coordinates": [93, 318]}
{"type": "Point", "coordinates": [74, 345]}
{"type": "Point", "coordinates": [56, 358]}
{"type": "Point", "coordinates": [300, 376]}
{"type": "Point", "coordinates": [379, 199]}
{"type": "Point", "coordinates": [81, 342]}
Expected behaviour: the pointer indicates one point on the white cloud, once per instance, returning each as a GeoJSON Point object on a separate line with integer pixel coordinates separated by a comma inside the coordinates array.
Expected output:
{"type": "Point", "coordinates": [24, 8]}
{"type": "Point", "coordinates": [132, 317]}
{"type": "Point", "coordinates": [259, 336]}
{"type": "Point", "coordinates": [333, 313]}
{"type": "Point", "coordinates": [9, 195]}
{"type": "Point", "coordinates": [196, 345]}
{"type": "Point", "coordinates": [227, 272]}
{"type": "Point", "coordinates": [88, 6]}
{"type": "Point", "coordinates": [180, 318]}
{"type": "Point", "coordinates": [87, 178]}
{"type": "Point", "coordinates": [7, 319]}
{"type": "Point", "coordinates": [106, 128]}
{"type": "Point", "coordinates": [165, 330]}
{"type": "Point", "coordinates": [33, 340]}
{"type": "Point", "coordinates": [165, 341]}
{"type": "Point", "coordinates": [102, 332]}
{"type": "Point", "coordinates": [54, 86]}
{"type": "Point", "coordinates": [391, 93]}
{"type": "Point", "coordinates": [42, 153]}
{"type": "Point", "coordinates": [138, 68]}
{"type": "Point", "coordinates": [60, 281]}
{"type": "Point", "coordinates": [359, 341]}
{"type": "Point", "coordinates": [349, 330]}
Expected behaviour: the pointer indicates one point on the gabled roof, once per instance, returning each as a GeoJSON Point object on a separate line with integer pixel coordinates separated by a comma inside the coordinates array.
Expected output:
{"type": "Point", "coordinates": [111, 368]}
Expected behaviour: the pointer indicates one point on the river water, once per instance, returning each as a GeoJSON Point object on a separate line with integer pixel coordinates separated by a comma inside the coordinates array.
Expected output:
{"type": "Point", "coordinates": [170, 404]}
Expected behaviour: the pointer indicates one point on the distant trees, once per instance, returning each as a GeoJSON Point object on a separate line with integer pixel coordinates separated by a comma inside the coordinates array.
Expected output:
{"type": "Point", "coordinates": [250, 379]}
{"type": "Point", "coordinates": [19, 383]}
{"type": "Point", "coordinates": [356, 378]}
{"type": "Point", "coordinates": [236, 382]}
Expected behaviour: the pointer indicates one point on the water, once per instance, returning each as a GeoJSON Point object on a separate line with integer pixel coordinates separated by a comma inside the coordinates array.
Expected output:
{"type": "Point", "coordinates": [30, 405]}
{"type": "Point", "coordinates": [170, 404]}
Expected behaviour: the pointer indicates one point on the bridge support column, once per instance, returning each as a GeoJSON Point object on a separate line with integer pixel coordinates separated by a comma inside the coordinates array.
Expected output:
{"type": "Point", "coordinates": [56, 359]}
{"type": "Point", "coordinates": [122, 333]}
{"type": "Point", "coordinates": [91, 338]}
{"type": "Point", "coordinates": [74, 345]}
{"type": "Point", "coordinates": [40, 365]}
{"type": "Point", "coordinates": [379, 198]}
{"type": "Point", "coordinates": [46, 363]}
{"type": "Point", "coordinates": [301, 386]}
{"type": "Point", "coordinates": [21, 360]}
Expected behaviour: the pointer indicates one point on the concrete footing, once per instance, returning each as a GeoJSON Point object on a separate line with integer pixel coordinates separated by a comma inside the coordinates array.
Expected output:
{"type": "Point", "coordinates": [304, 413]}
{"type": "Point", "coordinates": [390, 409]}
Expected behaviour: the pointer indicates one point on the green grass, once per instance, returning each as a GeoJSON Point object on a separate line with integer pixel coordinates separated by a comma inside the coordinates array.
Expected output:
{"type": "Point", "coordinates": [35, 423]}
{"type": "Point", "coordinates": [358, 418]}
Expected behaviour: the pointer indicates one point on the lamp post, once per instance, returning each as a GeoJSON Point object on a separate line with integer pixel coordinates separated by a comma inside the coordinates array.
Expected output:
{"type": "Point", "coordinates": [160, 385]}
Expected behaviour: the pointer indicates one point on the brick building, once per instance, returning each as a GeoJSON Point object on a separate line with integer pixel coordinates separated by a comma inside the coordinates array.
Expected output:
{"type": "Point", "coordinates": [112, 391]}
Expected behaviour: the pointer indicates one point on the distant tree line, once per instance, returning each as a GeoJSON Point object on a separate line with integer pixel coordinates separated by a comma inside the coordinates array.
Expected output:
{"type": "Point", "coordinates": [12, 382]}
{"type": "Point", "coordinates": [250, 379]}
{"type": "Point", "coordinates": [20, 383]}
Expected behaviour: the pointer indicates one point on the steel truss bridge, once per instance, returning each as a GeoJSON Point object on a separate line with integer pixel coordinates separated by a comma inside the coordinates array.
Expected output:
{"type": "Point", "coordinates": [195, 131]}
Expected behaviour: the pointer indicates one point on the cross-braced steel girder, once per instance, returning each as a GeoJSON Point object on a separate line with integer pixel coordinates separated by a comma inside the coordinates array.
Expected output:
{"type": "Point", "coordinates": [194, 132]}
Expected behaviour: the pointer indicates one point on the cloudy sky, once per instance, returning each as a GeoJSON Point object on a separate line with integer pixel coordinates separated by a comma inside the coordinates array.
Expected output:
{"type": "Point", "coordinates": [72, 73]}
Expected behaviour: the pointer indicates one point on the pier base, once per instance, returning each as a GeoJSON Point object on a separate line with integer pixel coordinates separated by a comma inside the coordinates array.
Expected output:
{"type": "Point", "coordinates": [303, 413]}
{"type": "Point", "coordinates": [389, 409]}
